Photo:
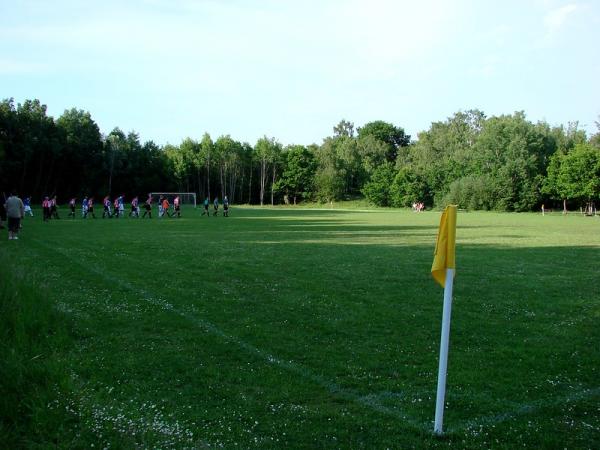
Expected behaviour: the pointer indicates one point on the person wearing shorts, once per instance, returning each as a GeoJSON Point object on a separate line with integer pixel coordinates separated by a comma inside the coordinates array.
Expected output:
{"type": "Point", "coordinates": [176, 207]}
{"type": "Point", "coordinates": [27, 204]}
{"type": "Point", "coordinates": [148, 207]}
{"type": "Point", "coordinates": [225, 207]}
{"type": "Point", "coordinates": [15, 211]}
{"type": "Point", "coordinates": [72, 207]}
{"type": "Point", "coordinates": [216, 206]}
{"type": "Point", "coordinates": [206, 203]}
{"type": "Point", "coordinates": [90, 209]}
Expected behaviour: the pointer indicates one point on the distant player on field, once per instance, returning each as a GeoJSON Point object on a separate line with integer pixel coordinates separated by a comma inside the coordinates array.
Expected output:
{"type": "Point", "coordinates": [46, 209]}
{"type": "Point", "coordinates": [206, 203]}
{"type": "Point", "coordinates": [91, 207]}
{"type": "Point", "coordinates": [72, 207]}
{"type": "Point", "coordinates": [135, 209]}
{"type": "Point", "coordinates": [27, 206]}
{"type": "Point", "coordinates": [216, 206]}
{"type": "Point", "coordinates": [176, 207]}
{"type": "Point", "coordinates": [225, 207]}
{"type": "Point", "coordinates": [116, 206]}
{"type": "Point", "coordinates": [54, 208]}
{"type": "Point", "coordinates": [165, 207]}
{"type": "Point", "coordinates": [106, 204]}
{"type": "Point", "coordinates": [148, 207]}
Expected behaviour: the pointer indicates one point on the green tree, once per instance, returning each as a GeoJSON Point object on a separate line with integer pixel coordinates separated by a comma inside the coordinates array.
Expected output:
{"type": "Point", "coordinates": [378, 189]}
{"type": "Point", "coordinates": [393, 137]}
{"type": "Point", "coordinates": [297, 177]}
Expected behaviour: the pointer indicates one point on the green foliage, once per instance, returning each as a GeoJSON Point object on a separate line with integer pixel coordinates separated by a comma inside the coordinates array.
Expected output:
{"type": "Point", "coordinates": [472, 192]}
{"type": "Point", "coordinates": [378, 189]}
{"type": "Point", "coordinates": [409, 187]}
{"type": "Point", "coordinates": [393, 137]}
{"type": "Point", "coordinates": [297, 178]}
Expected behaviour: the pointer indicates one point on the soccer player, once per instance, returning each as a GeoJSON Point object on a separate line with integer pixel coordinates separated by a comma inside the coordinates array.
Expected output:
{"type": "Point", "coordinates": [90, 209]}
{"type": "Point", "coordinates": [72, 207]}
{"type": "Point", "coordinates": [165, 207]}
{"type": "Point", "coordinates": [135, 209]}
{"type": "Point", "coordinates": [121, 203]}
{"type": "Point", "coordinates": [46, 209]}
{"type": "Point", "coordinates": [206, 203]}
{"type": "Point", "coordinates": [27, 205]}
{"type": "Point", "coordinates": [176, 207]}
{"type": "Point", "coordinates": [160, 206]}
{"type": "Point", "coordinates": [106, 211]}
{"type": "Point", "coordinates": [116, 206]}
{"type": "Point", "coordinates": [54, 208]}
{"type": "Point", "coordinates": [148, 207]}
{"type": "Point", "coordinates": [216, 206]}
{"type": "Point", "coordinates": [225, 207]}
{"type": "Point", "coordinates": [84, 207]}
{"type": "Point", "coordinates": [15, 212]}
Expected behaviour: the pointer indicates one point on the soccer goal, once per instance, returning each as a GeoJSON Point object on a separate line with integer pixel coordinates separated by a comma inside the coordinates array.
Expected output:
{"type": "Point", "coordinates": [185, 198]}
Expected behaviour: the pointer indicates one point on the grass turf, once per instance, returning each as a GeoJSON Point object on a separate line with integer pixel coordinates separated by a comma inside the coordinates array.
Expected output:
{"type": "Point", "coordinates": [292, 328]}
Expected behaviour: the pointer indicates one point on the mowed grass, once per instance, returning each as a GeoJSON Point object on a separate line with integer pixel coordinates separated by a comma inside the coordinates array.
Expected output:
{"type": "Point", "coordinates": [292, 328]}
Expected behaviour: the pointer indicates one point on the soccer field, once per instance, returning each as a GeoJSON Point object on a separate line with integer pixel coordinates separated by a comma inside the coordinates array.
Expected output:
{"type": "Point", "coordinates": [313, 328]}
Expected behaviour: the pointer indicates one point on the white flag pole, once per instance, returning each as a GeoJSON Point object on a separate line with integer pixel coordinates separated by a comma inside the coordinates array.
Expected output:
{"type": "Point", "coordinates": [444, 343]}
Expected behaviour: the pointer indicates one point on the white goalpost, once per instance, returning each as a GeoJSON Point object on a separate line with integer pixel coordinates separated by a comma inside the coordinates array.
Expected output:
{"type": "Point", "coordinates": [185, 198]}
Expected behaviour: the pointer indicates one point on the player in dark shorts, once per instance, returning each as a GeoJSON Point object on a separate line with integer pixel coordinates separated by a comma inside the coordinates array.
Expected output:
{"type": "Point", "coordinates": [176, 207]}
{"type": "Point", "coordinates": [90, 209]}
{"type": "Point", "coordinates": [135, 210]}
{"type": "Point", "coordinates": [148, 207]}
{"type": "Point", "coordinates": [72, 208]}
{"type": "Point", "coordinates": [225, 207]}
{"type": "Point", "coordinates": [54, 208]}
{"type": "Point", "coordinates": [216, 206]}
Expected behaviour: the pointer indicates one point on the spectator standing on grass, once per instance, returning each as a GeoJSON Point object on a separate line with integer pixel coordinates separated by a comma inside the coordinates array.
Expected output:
{"type": "Point", "coordinates": [225, 207]}
{"type": "Point", "coordinates": [15, 211]}
{"type": "Point", "coordinates": [216, 206]}
{"type": "Point", "coordinates": [27, 204]}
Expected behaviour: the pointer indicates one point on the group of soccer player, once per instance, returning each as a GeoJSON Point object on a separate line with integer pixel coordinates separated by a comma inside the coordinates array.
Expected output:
{"type": "Point", "coordinates": [116, 207]}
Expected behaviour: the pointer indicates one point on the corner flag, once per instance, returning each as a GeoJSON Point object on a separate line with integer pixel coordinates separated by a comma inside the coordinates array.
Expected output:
{"type": "Point", "coordinates": [444, 257]}
{"type": "Point", "coordinates": [442, 271]}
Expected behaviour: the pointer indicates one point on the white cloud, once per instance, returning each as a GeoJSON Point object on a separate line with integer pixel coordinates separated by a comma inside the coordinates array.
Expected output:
{"type": "Point", "coordinates": [555, 19]}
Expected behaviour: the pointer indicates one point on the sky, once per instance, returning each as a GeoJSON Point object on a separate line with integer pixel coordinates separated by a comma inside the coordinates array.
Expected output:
{"type": "Point", "coordinates": [171, 69]}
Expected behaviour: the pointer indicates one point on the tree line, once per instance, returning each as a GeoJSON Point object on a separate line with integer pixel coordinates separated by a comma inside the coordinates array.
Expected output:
{"type": "Point", "coordinates": [495, 163]}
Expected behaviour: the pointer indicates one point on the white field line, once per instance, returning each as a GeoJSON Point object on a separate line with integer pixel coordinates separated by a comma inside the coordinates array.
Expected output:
{"type": "Point", "coordinates": [333, 388]}
{"type": "Point", "coordinates": [369, 401]}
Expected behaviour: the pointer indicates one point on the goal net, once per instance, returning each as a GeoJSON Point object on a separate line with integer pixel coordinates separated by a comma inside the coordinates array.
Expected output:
{"type": "Point", "coordinates": [185, 198]}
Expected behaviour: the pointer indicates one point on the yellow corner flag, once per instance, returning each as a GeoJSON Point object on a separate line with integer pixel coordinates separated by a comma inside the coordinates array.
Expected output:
{"type": "Point", "coordinates": [444, 257]}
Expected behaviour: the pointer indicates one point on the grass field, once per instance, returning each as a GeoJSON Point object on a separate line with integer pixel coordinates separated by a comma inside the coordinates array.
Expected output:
{"type": "Point", "coordinates": [309, 328]}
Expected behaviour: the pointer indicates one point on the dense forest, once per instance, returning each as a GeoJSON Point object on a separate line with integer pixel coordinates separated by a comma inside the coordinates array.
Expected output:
{"type": "Point", "coordinates": [497, 163]}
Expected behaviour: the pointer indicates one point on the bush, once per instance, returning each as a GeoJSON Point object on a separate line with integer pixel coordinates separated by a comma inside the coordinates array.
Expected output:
{"type": "Point", "coordinates": [472, 192]}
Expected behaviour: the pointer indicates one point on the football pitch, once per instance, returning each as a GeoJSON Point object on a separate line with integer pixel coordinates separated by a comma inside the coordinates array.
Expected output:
{"type": "Point", "coordinates": [320, 328]}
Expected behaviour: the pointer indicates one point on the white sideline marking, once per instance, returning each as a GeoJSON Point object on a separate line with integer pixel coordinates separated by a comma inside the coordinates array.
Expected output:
{"type": "Point", "coordinates": [333, 388]}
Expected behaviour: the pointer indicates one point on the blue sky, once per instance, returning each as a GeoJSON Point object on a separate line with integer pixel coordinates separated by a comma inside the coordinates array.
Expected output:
{"type": "Point", "coordinates": [293, 69]}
